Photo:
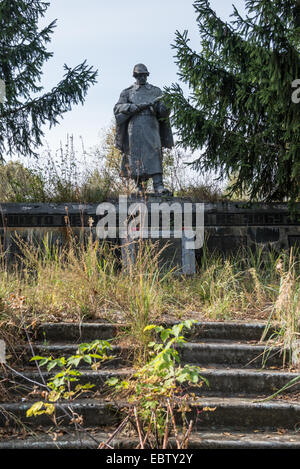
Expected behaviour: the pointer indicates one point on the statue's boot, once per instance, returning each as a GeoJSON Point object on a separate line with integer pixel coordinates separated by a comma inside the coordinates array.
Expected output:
{"type": "Point", "coordinates": [140, 189]}
{"type": "Point", "coordinates": [158, 185]}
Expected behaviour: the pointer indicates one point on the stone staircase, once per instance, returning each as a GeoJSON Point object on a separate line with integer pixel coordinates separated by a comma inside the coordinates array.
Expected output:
{"type": "Point", "coordinates": [230, 355]}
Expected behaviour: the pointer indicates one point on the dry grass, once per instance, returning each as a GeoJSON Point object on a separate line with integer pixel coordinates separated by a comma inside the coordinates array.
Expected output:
{"type": "Point", "coordinates": [286, 311]}
{"type": "Point", "coordinates": [85, 281]}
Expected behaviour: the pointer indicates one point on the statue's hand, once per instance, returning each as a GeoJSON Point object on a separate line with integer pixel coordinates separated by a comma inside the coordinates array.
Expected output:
{"type": "Point", "coordinates": [134, 108]}
{"type": "Point", "coordinates": [143, 106]}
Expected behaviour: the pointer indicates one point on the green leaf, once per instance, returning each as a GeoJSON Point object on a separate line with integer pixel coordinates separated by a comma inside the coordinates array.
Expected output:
{"type": "Point", "coordinates": [88, 359]}
{"type": "Point", "coordinates": [50, 409]}
{"type": "Point", "coordinates": [74, 360]}
{"type": "Point", "coordinates": [165, 334]}
{"type": "Point", "coordinates": [51, 365]}
{"type": "Point", "coordinates": [150, 328]}
{"type": "Point", "coordinates": [34, 409]}
{"type": "Point", "coordinates": [112, 381]}
{"type": "Point", "coordinates": [87, 386]}
{"type": "Point", "coordinates": [151, 344]}
{"type": "Point", "coordinates": [38, 358]}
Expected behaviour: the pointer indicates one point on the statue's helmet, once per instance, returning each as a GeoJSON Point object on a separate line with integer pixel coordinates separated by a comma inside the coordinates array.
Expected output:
{"type": "Point", "coordinates": [140, 68]}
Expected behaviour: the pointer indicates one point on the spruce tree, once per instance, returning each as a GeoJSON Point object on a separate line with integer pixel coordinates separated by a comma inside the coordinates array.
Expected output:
{"type": "Point", "coordinates": [23, 51]}
{"type": "Point", "coordinates": [240, 111]}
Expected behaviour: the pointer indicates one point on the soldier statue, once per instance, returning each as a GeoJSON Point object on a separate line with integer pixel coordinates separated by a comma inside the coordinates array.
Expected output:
{"type": "Point", "coordinates": [142, 130]}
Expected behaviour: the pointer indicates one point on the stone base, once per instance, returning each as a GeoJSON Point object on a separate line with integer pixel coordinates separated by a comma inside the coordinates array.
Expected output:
{"type": "Point", "coordinates": [228, 226]}
{"type": "Point", "coordinates": [174, 255]}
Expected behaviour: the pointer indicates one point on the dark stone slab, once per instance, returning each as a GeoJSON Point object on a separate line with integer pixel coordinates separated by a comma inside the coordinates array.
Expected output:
{"type": "Point", "coordinates": [226, 244]}
{"type": "Point", "coordinates": [216, 214]}
{"type": "Point", "coordinates": [228, 226]}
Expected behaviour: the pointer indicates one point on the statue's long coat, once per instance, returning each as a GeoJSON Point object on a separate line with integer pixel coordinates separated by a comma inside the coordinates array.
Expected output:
{"type": "Point", "coordinates": [141, 136]}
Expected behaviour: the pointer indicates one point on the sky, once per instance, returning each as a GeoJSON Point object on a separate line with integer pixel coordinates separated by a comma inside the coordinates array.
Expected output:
{"type": "Point", "coordinates": [113, 36]}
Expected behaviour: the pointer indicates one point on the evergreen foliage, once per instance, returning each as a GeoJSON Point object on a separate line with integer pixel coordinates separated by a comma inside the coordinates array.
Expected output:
{"type": "Point", "coordinates": [240, 111]}
{"type": "Point", "coordinates": [23, 51]}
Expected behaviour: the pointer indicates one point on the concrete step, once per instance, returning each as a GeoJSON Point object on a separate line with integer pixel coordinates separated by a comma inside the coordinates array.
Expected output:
{"type": "Point", "coordinates": [74, 332]}
{"type": "Point", "coordinates": [198, 440]}
{"type": "Point", "coordinates": [226, 382]}
{"type": "Point", "coordinates": [120, 355]}
{"type": "Point", "coordinates": [226, 414]}
{"type": "Point", "coordinates": [85, 332]}
{"type": "Point", "coordinates": [209, 413]}
{"type": "Point", "coordinates": [231, 354]}
{"type": "Point", "coordinates": [237, 440]}
{"type": "Point", "coordinates": [22, 383]}
{"type": "Point", "coordinates": [243, 382]}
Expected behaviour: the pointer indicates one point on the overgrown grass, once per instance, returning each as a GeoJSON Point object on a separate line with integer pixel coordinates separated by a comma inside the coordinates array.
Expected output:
{"type": "Point", "coordinates": [85, 281]}
{"type": "Point", "coordinates": [285, 311]}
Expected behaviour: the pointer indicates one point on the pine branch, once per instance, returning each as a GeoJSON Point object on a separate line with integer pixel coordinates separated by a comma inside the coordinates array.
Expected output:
{"type": "Point", "coordinates": [23, 52]}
